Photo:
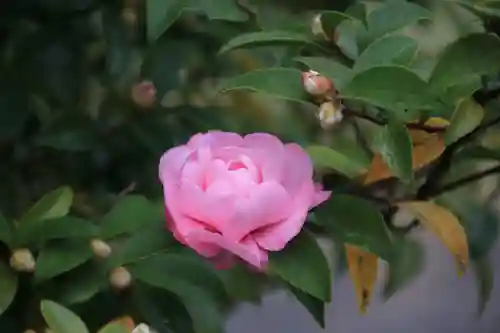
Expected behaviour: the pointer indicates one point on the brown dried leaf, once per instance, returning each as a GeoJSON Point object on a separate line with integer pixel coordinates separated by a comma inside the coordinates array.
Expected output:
{"type": "Point", "coordinates": [363, 268]}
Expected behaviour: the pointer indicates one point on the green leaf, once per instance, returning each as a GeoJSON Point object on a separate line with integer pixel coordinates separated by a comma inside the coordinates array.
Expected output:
{"type": "Point", "coordinates": [314, 306]}
{"type": "Point", "coordinates": [358, 11]}
{"type": "Point", "coordinates": [338, 73]}
{"type": "Point", "coordinates": [81, 284]}
{"type": "Point", "coordinates": [113, 328]}
{"type": "Point", "coordinates": [142, 243]}
{"type": "Point", "coordinates": [342, 161]}
{"type": "Point", "coordinates": [389, 50]}
{"type": "Point", "coordinates": [393, 87]}
{"type": "Point", "coordinates": [5, 230]}
{"type": "Point", "coordinates": [242, 284]}
{"type": "Point", "coordinates": [263, 38]}
{"type": "Point", "coordinates": [395, 146]}
{"type": "Point", "coordinates": [479, 152]}
{"type": "Point", "coordinates": [176, 274]}
{"type": "Point", "coordinates": [405, 266]}
{"type": "Point", "coordinates": [37, 232]}
{"type": "Point", "coordinates": [358, 222]}
{"type": "Point", "coordinates": [484, 282]}
{"type": "Point", "coordinates": [284, 83]}
{"type": "Point", "coordinates": [60, 319]}
{"type": "Point", "coordinates": [160, 15]}
{"type": "Point", "coordinates": [467, 116]}
{"type": "Point", "coordinates": [53, 204]}
{"type": "Point", "coordinates": [8, 286]}
{"type": "Point", "coordinates": [69, 139]}
{"type": "Point", "coordinates": [393, 16]}
{"type": "Point", "coordinates": [331, 19]}
{"type": "Point", "coordinates": [476, 54]}
{"type": "Point", "coordinates": [303, 264]}
{"type": "Point", "coordinates": [55, 259]}
{"type": "Point", "coordinates": [483, 9]}
{"type": "Point", "coordinates": [129, 214]}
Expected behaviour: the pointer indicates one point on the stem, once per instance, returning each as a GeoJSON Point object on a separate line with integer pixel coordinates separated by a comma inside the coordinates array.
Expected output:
{"type": "Point", "coordinates": [422, 127]}
{"type": "Point", "coordinates": [466, 180]}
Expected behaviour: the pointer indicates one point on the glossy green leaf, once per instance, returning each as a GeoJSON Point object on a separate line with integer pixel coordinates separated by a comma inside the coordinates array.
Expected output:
{"type": "Point", "coordinates": [8, 286]}
{"type": "Point", "coordinates": [160, 15]}
{"type": "Point", "coordinates": [70, 139]}
{"type": "Point", "coordinates": [358, 11]}
{"type": "Point", "coordinates": [129, 214]}
{"type": "Point", "coordinates": [404, 267]}
{"type": "Point", "coordinates": [314, 306]}
{"type": "Point", "coordinates": [263, 38]}
{"type": "Point", "coordinates": [395, 146]}
{"type": "Point", "coordinates": [283, 83]}
{"type": "Point", "coordinates": [113, 328]}
{"type": "Point", "coordinates": [356, 221]}
{"type": "Point", "coordinates": [178, 275]}
{"type": "Point", "coordinates": [331, 19]}
{"type": "Point", "coordinates": [389, 50]}
{"type": "Point", "coordinates": [483, 9]}
{"type": "Point", "coordinates": [82, 283]}
{"type": "Point", "coordinates": [303, 264]}
{"type": "Point", "coordinates": [271, 18]}
{"type": "Point", "coordinates": [53, 204]}
{"type": "Point", "coordinates": [142, 243]}
{"type": "Point", "coordinates": [5, 230]}
{"type": "Point", "coordinates": [242, 284]}
{"type": "Point", "coordinates": [484, 281]}
{"type": "Point", "coordinates": [479, 152]}
{"type": "Point", "coordinates": [393, 16]}
{"type": "Point", "coordinates": [392, 87]}
{"type": "Point", "coordinates": [473, 55]}
{"type": "Point", "coordinates": [55, 259]}
{"type": "Point", "coordinates": [467, 116]}
{"type": "Point", "coordinates": [36, 232]}
{"type": "Point", "coordinates": [338, 73]}
{"type": "Point", "coordinates": [350, 165]}
{"type": "Point", "coordinates": [60, 319]}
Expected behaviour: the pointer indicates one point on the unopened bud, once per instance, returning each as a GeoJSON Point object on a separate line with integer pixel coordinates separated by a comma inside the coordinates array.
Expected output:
{"type": "Point", "coordinates": [329, 114]}
{"type": "Point", "coordinates": [100, 248]}
{"type": "Point", "coordinates": [144, 94]}
{"type": "Point", "coordinates": [316, 84]}
{"type": "Point", "coordinates": [22, 260]}
{"type": "Point", "coordinates": [317, 26]}
{"type": "Point", "coordinates": [120, 278]}
{"type": "Point", "coordinates": [129, 16]}
{"type": "Point", "coordinates": [142, 328]}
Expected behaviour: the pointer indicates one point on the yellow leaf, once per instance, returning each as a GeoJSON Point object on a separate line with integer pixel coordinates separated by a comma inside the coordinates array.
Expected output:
{"type": "Point", "coordinates": [422, 155]}
{"type": "Point", "coordinates": [363, 267]}
{"type": "Point", "coordinates": [419, 136]}
{"type": "Point", "coordinates": [445, 225]}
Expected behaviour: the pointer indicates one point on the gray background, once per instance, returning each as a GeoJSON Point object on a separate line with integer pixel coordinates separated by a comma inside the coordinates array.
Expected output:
{"type": "Point", "coordinates": [436, 301]}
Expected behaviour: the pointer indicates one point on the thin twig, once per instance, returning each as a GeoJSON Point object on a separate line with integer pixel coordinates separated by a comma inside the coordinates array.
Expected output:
{"type": "Point", "coordinates": [466, 180]}
{"type": "Point", "coordinates": [422, 127]}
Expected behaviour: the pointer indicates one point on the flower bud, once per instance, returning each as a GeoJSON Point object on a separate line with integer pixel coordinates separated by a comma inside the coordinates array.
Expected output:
{"type": "Point", "coordinates": [120, 278]}
{"type": "Point", "coordinates": [100, 248]}
{"type": "Point", "coordinates": [129, 16]}
{"type": "Point", "coordinates": [22, 261]}
{"type": "Point", "coordinates": [317, 27]}
{"type": "Point", "coordinates": [316, 84]}
{"type": "Point", "coordinates": [144, 94]}
{"type": "Point", "coordinates": [142, 328]}
{"type": "Point", "coordinates": [329, 114]}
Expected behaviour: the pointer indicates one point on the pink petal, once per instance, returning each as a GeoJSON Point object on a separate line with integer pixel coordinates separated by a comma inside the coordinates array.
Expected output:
{"type": "Point", "coordinates": [266, 204]}
{"type": "Point", "coordinates": [215, 139]}
{"type": "Point", "coordinates": [172, 162]}
{"type": "Point", "coordinates": [246, 249]}
{"type": "Point", "coordinates": [276, 236]}
{"type": "Point", "coordinates": [266, 151]}
{"type": "Point", "coordinates": [299, 168]}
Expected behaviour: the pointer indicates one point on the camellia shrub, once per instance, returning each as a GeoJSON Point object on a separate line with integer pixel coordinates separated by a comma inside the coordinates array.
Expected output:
{"type": "Point", "coordinates": [144, 188]}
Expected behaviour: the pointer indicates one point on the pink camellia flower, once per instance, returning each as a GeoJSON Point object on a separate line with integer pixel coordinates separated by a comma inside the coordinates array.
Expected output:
{"type": "Point", "coordinates": [229, 196]}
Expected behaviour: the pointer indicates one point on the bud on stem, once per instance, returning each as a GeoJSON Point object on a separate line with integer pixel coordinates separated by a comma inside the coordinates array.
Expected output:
{"type": "Point", "coordinates": [120, 278]}
{"type": "Point", "coordinates": [100, 248]}
{"type": "Point", "coordinates": [22, 261]}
